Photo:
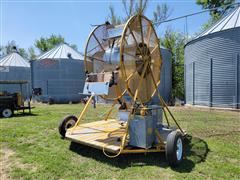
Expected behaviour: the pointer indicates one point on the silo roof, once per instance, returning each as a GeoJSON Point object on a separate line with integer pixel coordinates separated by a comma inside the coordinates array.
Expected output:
{"type": "Point", "coordinates": [14, 59]}
{"type": "Point", "coordinates": [61, 52]}
{"type": "Point", "coordinates": [231, 20]}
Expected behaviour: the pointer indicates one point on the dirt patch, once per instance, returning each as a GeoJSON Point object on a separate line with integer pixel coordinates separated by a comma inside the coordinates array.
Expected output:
{"type": "Point", "coordinates": [7, 162]}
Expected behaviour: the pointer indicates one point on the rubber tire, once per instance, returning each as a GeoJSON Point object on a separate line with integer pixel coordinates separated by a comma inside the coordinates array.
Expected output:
{"type": "Point", "coordinates": [171, 148]}
{"type": "Point", "coordinates": [64, 124]}
{"type": "Point", "coordinates": [7, 109]}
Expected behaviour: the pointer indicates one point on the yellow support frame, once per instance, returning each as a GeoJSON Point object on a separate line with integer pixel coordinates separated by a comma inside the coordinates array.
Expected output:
{"type": "Point", "coordinates": [82, 113]}
{"type": "Point", "coordinates": [159, 147]}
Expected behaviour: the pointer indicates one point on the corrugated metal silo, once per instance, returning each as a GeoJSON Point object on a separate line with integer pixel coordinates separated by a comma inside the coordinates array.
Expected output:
{"type": "Point", "coordinates": [14, 67]}
{"type": "Point", "coordinates": [212, 64]}
{"type": "Point", "coordinates": [165, 86]}
{"type": "Point", "coordinates": [60, 75]}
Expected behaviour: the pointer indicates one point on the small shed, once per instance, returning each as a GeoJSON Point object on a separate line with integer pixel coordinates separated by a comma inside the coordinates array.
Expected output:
{"type": "Point", "coordinates": [59, 74]}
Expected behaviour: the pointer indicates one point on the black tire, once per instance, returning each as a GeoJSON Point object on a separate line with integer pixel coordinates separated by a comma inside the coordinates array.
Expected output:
{"type": "Point", "coordinates": [7, 112]}
{"type": "Point", "coordinates": [66, 123]}
{"type": "Point", "coordinates": [174, 148]}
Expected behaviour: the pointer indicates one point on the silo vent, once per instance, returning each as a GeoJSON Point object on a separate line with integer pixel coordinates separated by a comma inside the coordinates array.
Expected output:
{"type": "Point", "coordinates": [14, 49]}
{"type": "Point", "coordinates": [69, 55]}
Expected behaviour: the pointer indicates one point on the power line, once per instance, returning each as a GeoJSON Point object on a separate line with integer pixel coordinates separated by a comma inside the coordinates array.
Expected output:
{"type": "Point", "coordinates": [193, 14]}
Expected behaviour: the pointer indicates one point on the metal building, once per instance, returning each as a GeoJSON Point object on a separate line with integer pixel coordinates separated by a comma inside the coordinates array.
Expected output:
{"type": "Point", "coordinates": [60, 75]}
{"type": "Point", "coordinates": [212, 65]}
{"type": "Point", "coordinates": [14, 67]}
{"type": "Point", "coordinates": [165, 87]}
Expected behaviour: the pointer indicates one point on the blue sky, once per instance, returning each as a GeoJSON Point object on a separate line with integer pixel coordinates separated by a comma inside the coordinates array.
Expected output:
{"type": "Point", "coordinates": [26, 21]}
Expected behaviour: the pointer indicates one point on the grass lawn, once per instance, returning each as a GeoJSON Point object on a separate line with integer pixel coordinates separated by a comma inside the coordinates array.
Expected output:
{"type": "Point", "coordinates": [31, 148]}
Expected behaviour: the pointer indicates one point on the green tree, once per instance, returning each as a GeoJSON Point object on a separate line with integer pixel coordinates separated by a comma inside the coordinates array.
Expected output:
{"type": "Point", "coordinates": [45, 44]}
{"type": "Point", "coordinates": [23, 53]}
{"type": "Point", "coordinates": [220, 8]}
{"type": "Point", "coordinates": [175, 41]}
{"type": "Point", "coordinates": [10, 47]}
{"type": "Point", "coordinates": [31, 53]}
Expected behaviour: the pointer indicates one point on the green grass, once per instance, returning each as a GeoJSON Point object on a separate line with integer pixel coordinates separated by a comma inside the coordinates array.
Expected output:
{"type": "Point", "coordinates": [212, 148]}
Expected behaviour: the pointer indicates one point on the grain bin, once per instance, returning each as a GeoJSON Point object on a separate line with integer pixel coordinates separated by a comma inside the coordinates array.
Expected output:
{"type": "Point", "coordinates": [165, 87]}
{"type": "Point", "coordinates": [59, 74]}
{"type": "Point", "coordinates": [14, 67]}
{"type": "Point", "coordinates": [212, 65]}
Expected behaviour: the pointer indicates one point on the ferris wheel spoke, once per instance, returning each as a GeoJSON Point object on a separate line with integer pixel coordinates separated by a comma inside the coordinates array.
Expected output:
{"type": "Point", "coordinates": [98, 42]}
{"type": "Point", "coordinates": [153, 79]}
{"type": "Point", "coordinates": [125, 40]}
{"type": "Point", "coordinates": [134, 39]}
{"type": "Point", "coordinates": [131, 75]}
{"type": "Point", "coordinates": [149, 36]}
{"type": "Point", "coordinates": [141, 28]}
{"type": "Point", "coordinates": [154, 49]}
{"type": "Point", "coordinates": [94, 58]}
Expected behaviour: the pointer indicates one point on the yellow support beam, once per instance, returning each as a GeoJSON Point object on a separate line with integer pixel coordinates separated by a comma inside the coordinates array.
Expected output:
{"type": "Point", "coordinates": [82, 113]}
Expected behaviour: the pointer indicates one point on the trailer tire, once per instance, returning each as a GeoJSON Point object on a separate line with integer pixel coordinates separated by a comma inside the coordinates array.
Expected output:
{"type": "Point", "coordinates": [7, 112]}
{"type": "Point", "coordinates": [174, 148]}
{"type": "Point", "coordinates": [66, 123]}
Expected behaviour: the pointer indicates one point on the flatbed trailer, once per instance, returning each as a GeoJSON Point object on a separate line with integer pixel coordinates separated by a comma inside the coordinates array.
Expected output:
{"type": "Point", "coordinates": [10, 102]}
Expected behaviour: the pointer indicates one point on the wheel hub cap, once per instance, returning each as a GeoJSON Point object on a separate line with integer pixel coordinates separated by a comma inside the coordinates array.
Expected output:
{"type": "Point", "coordinates": [179, 149]}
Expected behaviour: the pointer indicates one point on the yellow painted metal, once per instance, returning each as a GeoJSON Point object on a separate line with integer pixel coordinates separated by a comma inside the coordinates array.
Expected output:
{"type": "Point", "coordinates": [143, 33]}
{"type": "Point", "coordinates": [131, 80]}
{"type": "Point", "coordinates": [110, 110]}
{"type": "Point", "coordinates": [82, 113]}
{"type": "Point", "coordinates": [172, 116]}
{"type": "Point", "coordinates": [165, 106]}
{"type": "Point", "coordinates": [147, 91]}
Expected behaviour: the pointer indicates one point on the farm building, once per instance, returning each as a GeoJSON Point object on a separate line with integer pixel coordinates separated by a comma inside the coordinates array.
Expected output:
{"type": "Point", "coordinates": [212, 65]}
{"type": "Point", "coordinates": [14, 67]}
{"type": "Point", "coordinates": [165, 86]}
{"type": "Point", "coordinates": [59, 75]}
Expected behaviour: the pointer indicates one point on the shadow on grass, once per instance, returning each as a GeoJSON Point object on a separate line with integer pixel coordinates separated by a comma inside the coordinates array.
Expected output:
{"type": "Point", "coordinates": [19, 115]}
{"type": "Point", "coordinates": [24, 114]}
{"type": "Point", "coordinates": [196, 151]}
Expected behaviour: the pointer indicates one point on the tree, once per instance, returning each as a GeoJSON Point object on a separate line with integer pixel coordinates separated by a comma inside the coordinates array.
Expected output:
{"type": "Point", "coordinates": [45, 44]}
{"type": "Point", "coordinates": [23, 53]}
{"type": "Point", "coordinates": [161, 13]}
{"type": "Point", "coordinates": [31, 53]}
{"type": "Point", "coordinates": [133, 7]}
{"type": "Point", "coordinates": [10, 47]}
{"type": "Point", "coordinates": [222, 6]}
{"type": "Point", "coordinates": [113, 17]}
{"type": "Point", "coordinates": [175, 42]}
